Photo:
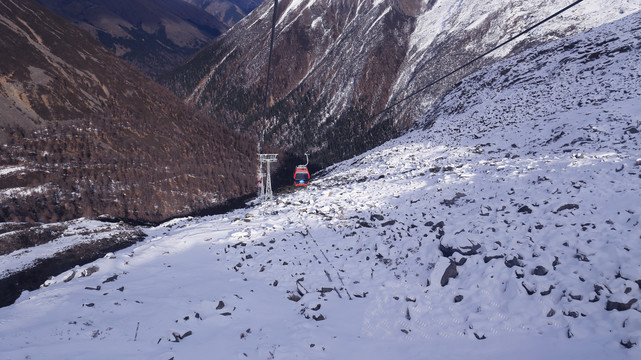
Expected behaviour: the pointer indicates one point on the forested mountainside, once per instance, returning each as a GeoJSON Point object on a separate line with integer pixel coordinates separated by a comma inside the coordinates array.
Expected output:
{"type": "Point", "coordinates": [85, 134]}
{"type": "Point", "coordinates": [336, 64]}
{"type": "Point", "coordinates": [153, 35]}
{"type": "Point", "coordinates": [227, 11]}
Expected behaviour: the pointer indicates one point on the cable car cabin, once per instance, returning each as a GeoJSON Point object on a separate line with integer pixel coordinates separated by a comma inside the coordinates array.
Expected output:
{"type": "Point", "coordinates": [301, 176]}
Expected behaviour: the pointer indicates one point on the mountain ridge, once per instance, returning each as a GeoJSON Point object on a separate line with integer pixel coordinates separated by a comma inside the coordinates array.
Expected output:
{"type": "Point", "coordinates": [336, 64]}
{"type": "Point", "coordinates": [228, 12]}
{"type": "Point", "coordinates": [154, 36]}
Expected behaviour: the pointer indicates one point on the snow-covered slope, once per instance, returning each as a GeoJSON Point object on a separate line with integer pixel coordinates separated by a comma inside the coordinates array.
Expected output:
{"type": "Point", "coordinates": [508, 228]}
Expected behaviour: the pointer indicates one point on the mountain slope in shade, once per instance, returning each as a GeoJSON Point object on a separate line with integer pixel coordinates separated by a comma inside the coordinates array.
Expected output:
{"type": "Point", "coordinates": [228, 12]}
{"type": "Point", "coordinates": [153, 35]}
{"type": "Point", "coordinates": [508, 229]}
{"type": "Point", "coordinates": [85, 134]}
{"type": "Point", "coordinates": [337, 63]}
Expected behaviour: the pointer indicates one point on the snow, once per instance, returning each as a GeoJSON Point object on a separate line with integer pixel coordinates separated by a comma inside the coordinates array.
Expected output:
{"type": "Point", "coordinates": [450, 15]}
{"type": "Point", "coordinates": [23, 191]}
{"type": "Point", "coordinates": [6, 170]}
{"type": "Point", "coordinates": [527, 181]}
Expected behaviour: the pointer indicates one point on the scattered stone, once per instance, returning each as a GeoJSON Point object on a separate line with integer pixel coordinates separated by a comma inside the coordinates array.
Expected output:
{"type": "Point", "coordinates": [567, 207]}
{"type": "Point", "coordinates": [461, 261]}
{"type": "Point", "coordinates": [615, 305]}
{"type": "Point", "coordinates": [540, 271]}
{"type": "Point", "coordinates": [97, 288]}
{"type": "Point", "coordinates": [628, 344]}
{"type": "Point", "coordinates": [300, 288]}
{"type": "Point", "coordinates": [524, 210]}
{"type": "Point", "coordinates": [452, 201]}
{"type": "Point", "coordinates": [479, 337]}
{"type": "Point", "coordinates": [407, 314]}
{"type": "Point", "coordinates": [388, 223]}
{"type": "Point", "coordinates": [178, 337]}
{"type": "Point", "coordinates": [364, 223]}
{"type": "Point", "coordinates": [520, 274]}
{"type": "Point", "coordinates": [227, 313]}
{"type": "Point", "coordinates": [514, 262]}
{"type": "Point", "coordinates": [319, 317]}
{"type": "Point", "coordinates": [574, 296]}
{"type": "Point", "coordinates": [89, 305]}
{"type": "Point", "coordinates": [581, 257]}
{"type": "Point", "coordinates": [458, 298]}
{"type": "Point", "coordinates": [294, 297]}
{"type": "Point", "coordinates": [221, 305]}
{"type": "Point", "coordinates": [111, 279]}
{"type": "Point", "coordinates": [487, 259]}
{"type": "Point", "coordinates": [376, 217]}
{"type": "Point", "coordinates": [450, 273]}
{"type": "Point", "coordinates": [324, 290]}
{"type": "Point", "coordinates": [548, 291]}
{"type": "Point", "coordinates": [448, 250]}
{"type": "Point", "coordinates": [551, 313]}
{"type": "Point", "coordinates": [597, 289]}
{"type": "Point", "coordinates": [529, 287]}
{"type": "Point", "coordinates": [89, 271]}
{"type": "Point", "coordinates": [70, 276]}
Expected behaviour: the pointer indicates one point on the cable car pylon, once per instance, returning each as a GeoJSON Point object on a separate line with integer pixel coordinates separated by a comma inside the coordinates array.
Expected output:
{"type": "Point", "coordinates": [264, 179]}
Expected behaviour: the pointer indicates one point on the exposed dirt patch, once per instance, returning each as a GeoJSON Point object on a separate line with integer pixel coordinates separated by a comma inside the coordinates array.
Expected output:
{"type": "Point", "coordinates": [21, 235]}
{"type": "Point", "coordinates": [34, 276]}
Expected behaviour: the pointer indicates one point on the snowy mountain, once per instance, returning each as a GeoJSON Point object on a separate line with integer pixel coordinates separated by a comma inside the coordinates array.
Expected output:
{"type": "Point", "coordinates": [228, 12]}
{"type": "Point", "coordinates": [337, 63]}
{"type": "Point", "coordinates": [505, 224]}
{"type": "Point", "coordinates": [155, 36]}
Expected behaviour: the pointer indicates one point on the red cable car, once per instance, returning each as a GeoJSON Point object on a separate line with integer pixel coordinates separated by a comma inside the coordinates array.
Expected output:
{"type": "Point", "coordinates": [301, 174]}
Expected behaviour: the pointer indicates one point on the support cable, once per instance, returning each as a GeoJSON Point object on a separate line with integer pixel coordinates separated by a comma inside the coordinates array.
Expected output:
{"type": "Point", "coordinates": [269, 68]}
